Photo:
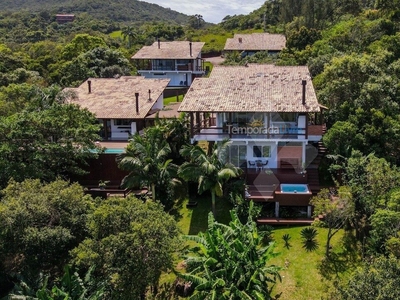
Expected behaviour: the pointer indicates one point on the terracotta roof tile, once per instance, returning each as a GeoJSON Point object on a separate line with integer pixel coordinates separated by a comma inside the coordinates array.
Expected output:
{"type": "Point", "coordinates": [115, 98]}
{"type": "Point", "coordinates": [256, 41]}
{"type": "Point", "coordinates": [170, 50]}
{"type": "Point", "coordinates": [255, 88]}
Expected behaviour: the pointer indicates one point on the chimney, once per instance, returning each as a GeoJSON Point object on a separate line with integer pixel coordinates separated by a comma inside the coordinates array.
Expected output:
{"type": "Point", "coordinates": [149, 95]}
{"type": "Point", "coordinates": [159, 43]}
{"type": "Point", "coordinates": [89, 83]}
{"type": "Point", "coordinates": [137, 103]}
{"type": "Point", "coordinates": [190, 47]}
{"type": "Point", "coordinates": [304, 83]}
{"type": "Point", "coordinates": [240, 40]}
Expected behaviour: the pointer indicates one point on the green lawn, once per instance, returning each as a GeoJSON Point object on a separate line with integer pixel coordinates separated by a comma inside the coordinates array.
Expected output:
{"type": "Point", "coordinates": [194, 219]}
{"type": "Point", "coordinates": [173, 99]}
{"type": "Point", "coordinates": [301, 280]}
{"type": "Point", "coordinates": [116, 34]}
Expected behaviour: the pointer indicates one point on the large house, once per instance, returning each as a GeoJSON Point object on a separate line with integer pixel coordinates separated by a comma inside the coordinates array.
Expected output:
{"type": "Point", "coordinates": [271, 116]}
{"type": "Point", "coordinates": [179, 61]}
{"type": "Point", "coordinates": [249, 44]}
{"type": "Point", "coordinates": [121, 104]}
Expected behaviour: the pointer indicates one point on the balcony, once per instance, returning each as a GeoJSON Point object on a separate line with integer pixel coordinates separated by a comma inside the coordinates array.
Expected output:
{"type": "Point", "coordinates": [151, 65]}
{"type": "Point", "coordinates": [208, 130]}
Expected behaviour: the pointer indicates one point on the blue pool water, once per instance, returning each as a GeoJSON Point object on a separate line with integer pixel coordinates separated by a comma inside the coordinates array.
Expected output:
{"type": "Point", "coordinates": [114, 150]}
{"type": "Point", "coordinates": [110, 151]}
{"type": "Point", "coordinates": [294, 188]}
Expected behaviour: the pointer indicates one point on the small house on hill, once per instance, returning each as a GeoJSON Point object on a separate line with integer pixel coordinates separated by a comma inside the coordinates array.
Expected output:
{"type": "Point", "coordinates": [120, 104]}
{"type": "Point", "coordinates": [179, 61]}
{"type": "Point", "coordinates": [249, 44]}
{"type": "Point", "coordinates": [64, 18]}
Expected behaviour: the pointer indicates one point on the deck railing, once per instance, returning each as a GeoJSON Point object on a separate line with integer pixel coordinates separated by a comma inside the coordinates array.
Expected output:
{"type": "Point", "coordinates": [316, 129]}
{"type": "Point", "coordinates": [149, 66]}
{"type": "Point", "coordinates": [235, 131]}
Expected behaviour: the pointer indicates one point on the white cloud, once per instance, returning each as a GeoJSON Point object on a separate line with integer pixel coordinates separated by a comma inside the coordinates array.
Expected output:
{"type": "Point", "coordinates": [212, 10]}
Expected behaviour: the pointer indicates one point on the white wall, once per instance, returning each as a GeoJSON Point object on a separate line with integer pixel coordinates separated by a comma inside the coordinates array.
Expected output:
{"type": "Point", "coordinates": [159, 103]}
{"type": "Point", "coordinates": [301, 123]}
{"type": "Point", "coordinates": [176, 77]}
{"type": "Point", "coordinates": [272, 160]}
{"type": "Point", "coordinates": [120, 132]}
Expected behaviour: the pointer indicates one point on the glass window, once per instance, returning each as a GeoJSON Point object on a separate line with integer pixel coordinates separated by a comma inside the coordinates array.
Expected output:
{"type": "Point", "coordinates": [284, 117]}
{"type": "Point", "coordinates": [261, 151]}
{"type": "Point", "coordinates": [237, 155]}
{"type": "Point", "coordinates": [257, 151]}
{"type": "Point", "coordinates": [289, 117]}
{"type": "Point", "coordinates": [266, 150]}
{"type": "Point", "coordinates": [122, 122]}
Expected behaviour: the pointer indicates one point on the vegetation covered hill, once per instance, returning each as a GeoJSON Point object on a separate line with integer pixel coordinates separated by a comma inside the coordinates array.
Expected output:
{"type": "Point", "coordinates": [117, 11]}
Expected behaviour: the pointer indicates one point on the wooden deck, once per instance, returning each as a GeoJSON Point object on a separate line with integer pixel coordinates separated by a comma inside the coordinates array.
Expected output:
{"type": "Point", "coordinates": [276, 176]}
{"type": "Point", "coordinates": [262, 186]}
{"type": "Point", "coordinates": [278, 221]}
{"type": "Point", "coordinates": [261, 193]}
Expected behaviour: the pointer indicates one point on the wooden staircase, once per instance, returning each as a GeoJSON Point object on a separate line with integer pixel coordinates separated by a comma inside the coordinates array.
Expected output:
{"type": "Point", "coordinates": [261, 193]}
{"type": "Point", "coordinates": [312, 169]}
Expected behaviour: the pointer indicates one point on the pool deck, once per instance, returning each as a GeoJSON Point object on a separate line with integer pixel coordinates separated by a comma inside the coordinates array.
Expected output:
{"type": "Point", "coordinates": [279, 221]}
{"type": "Point", "coordinates": [294, 188]}
{"type": "Point", "coordinates": [113, 144]}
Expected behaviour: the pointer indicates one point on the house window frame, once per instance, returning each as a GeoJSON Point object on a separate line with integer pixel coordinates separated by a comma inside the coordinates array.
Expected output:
{"type": "Point", "coordinates": [239, 158]}
{"type": "Point", "coordinates": [264, 151]}
{"type": "Point", "coordinates": [122, 122]}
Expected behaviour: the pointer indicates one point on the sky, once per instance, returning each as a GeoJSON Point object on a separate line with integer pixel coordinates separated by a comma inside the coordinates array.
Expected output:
{"type": "Point", "coordinates": [213, 11]}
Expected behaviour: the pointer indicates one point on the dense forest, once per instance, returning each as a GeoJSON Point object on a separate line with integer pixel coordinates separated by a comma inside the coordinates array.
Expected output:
{"type": "Point", "coordinates": [49, 227]}
{"type": "Point", "coordinates": [112, 11]}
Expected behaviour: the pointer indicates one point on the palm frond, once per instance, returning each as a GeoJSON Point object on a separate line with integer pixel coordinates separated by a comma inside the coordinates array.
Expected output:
{"type": "Point", "coordinates": [197, 280]}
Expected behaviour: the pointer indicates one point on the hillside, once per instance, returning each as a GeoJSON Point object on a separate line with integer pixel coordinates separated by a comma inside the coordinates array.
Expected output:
{"type": "Point", "coordinates": [116, 10]}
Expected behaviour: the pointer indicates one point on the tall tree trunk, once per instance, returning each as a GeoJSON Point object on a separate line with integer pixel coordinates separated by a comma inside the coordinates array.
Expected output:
{"type": "Point", "coordinates": [213, 202]}
{"type": "Point", "coordinates": [153, 191]}
{"type": "Point", "coordinates": [328, 242]}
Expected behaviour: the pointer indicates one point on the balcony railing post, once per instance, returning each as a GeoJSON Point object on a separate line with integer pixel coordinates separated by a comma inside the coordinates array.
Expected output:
{"type": "Point", "coordinates": [191, 125]}
{"type": "Point", "coordinates": [306, 127]}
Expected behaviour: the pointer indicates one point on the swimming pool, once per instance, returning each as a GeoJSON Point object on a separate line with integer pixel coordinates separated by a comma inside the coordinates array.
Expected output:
{"type": "Point", "coordinates": [297, 188]}
{"type": "Point", "coordinates": [114, 150]}
{"type": "Point", "coordinates": [110, 151]}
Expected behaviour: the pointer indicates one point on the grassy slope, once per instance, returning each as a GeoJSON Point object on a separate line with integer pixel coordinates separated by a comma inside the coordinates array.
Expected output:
{"type": "Point", "coordinates": [301, 280]}
{"type": "Point", "coordinates": [193, 220]}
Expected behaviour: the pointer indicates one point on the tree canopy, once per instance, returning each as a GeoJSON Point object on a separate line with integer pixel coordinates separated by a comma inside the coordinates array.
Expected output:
{"type": "Point", "coordinates": [131, 243]}
{"type": "Point", "coordinates": [52, 140]}
{"type": "Point", "coordinates": [40, 224]}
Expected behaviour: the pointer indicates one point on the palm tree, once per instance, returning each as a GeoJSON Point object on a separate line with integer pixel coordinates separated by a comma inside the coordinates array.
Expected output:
{"type": "Point", "coordinates": [286, 238]}
{"type": "Point", "coordinates": [129, 33]}
{"type": "Point", "coordinates": [177, 134]}
{"type": "Point", "coordinates": [146, 159]}
{"type": "Point", "coordinates": [210, 171]}
{"type": "Point", "coordinates": [231, 262]}
{"type": "Point", "coordinates": [309, 237]}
